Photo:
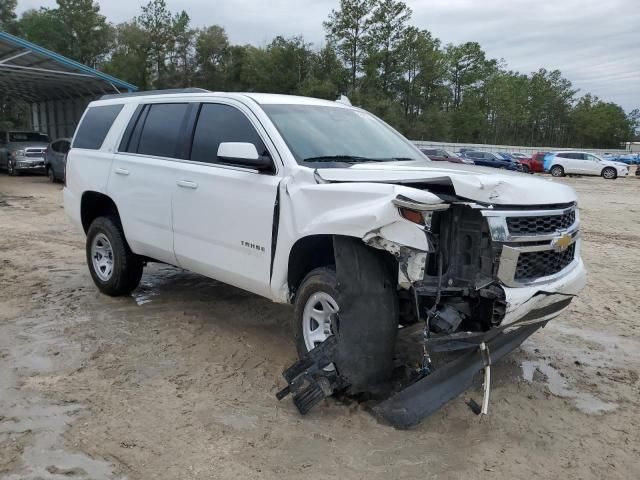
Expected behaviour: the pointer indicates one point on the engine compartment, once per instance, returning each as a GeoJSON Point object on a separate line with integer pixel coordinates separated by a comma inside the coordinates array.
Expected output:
{"type": "Point", "coordinates": [459, 291]}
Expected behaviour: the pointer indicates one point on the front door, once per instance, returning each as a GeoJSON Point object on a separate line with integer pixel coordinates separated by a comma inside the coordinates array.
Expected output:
{"type": "Point", "coordinates": [223, 215]}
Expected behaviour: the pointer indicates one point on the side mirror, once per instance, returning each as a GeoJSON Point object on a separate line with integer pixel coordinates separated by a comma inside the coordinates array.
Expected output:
{"type": "Point", "coordinates": [243, 154]}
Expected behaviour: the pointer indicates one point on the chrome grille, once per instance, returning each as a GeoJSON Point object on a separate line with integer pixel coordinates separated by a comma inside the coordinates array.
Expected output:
{"type": "Point", "coordinates": [532, 245]}
{"type": "Point", "coordinates": [540, 224]}
{"type": "Point", "coordinates": [34, 152]}
{"type": "Point", "coordinates": [534, 265]}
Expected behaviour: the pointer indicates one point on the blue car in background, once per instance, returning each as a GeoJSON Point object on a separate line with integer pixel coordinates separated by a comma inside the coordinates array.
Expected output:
{"type": "Point", "coordinates": [488, 159]}
{"type": "Point", "coordinates": [628, 159]}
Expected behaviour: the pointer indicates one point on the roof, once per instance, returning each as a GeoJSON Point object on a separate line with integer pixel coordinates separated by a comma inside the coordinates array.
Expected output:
{"type": "Point", "coordinates": [34, 74]}
{"type": "Point", "coordinates": [279, 99]}
{"type": "Point", "coordinates": [198, 94]}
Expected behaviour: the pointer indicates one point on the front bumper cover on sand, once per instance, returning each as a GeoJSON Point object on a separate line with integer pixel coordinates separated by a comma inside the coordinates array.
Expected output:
{"type": "Point", "coordinates": [414, 403]}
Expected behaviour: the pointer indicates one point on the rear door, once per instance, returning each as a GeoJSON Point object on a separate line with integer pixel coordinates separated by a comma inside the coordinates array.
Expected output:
{"type": "Point", "coordinates": [591, 165]}
{"type": "Point", "coordinates": [143, 176]}
{"type": "Point", "coordinates": [570, 161]}
{"type": "Point", "coordinates": [223, 215]}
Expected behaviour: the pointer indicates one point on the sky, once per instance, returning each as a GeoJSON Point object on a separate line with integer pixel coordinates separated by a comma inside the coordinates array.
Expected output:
{"type": "Point", "coordinates": [594, 43]}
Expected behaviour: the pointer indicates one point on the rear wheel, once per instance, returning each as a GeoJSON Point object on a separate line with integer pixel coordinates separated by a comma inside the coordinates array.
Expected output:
{"type": "Point", "coordinates": [557, 171]}
{"type": "Point", "coordinates": [609, 173]}
{"type": "Point", "coordinates": [115, 269]}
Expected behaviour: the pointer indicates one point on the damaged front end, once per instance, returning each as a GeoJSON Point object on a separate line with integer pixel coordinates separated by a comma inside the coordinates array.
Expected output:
{"type": "Point", "coordinates": [472, 281]}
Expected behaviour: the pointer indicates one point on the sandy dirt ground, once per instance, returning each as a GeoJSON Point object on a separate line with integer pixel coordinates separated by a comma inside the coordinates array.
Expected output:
{"type": "Point", "coordinates": [177, 381]}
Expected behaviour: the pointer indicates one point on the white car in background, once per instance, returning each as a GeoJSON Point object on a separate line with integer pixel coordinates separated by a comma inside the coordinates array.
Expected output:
{"type": "Point", "coordinates": [583, 163]}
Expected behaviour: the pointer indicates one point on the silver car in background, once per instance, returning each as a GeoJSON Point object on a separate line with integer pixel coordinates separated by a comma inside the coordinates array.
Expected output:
{"type": "Point", "coordinates": [22, 151]}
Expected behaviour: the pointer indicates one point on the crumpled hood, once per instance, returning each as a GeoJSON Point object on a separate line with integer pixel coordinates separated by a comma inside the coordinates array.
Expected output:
{"type": "Point", "coordinates": [480, 184]}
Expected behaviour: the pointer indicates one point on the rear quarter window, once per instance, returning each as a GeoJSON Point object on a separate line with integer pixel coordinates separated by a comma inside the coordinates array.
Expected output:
{"type": "Point", "coordinates": [95, 125]}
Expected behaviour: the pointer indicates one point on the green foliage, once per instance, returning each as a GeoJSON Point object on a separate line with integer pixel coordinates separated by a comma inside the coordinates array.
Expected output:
{"type": "Point", "coordinates": [8, 15]}
{"type": "Point", "coordinates": [348, 28]}
{"type": "Point", "coordinates": [75, 29]}
{"type": "Point", "coordinates": [372, 53]}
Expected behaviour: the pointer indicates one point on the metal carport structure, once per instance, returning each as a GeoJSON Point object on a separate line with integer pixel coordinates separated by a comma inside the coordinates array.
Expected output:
{"type": "Point", "coordinates": [57, 89]}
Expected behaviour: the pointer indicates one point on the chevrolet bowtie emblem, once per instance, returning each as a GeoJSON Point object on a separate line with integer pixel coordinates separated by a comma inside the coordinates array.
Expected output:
{"type": "Point", "coordinates": [561, 243]}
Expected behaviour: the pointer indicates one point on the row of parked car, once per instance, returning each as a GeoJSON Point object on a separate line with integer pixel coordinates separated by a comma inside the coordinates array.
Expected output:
{"type": "Point", "coordinates": [32, 151]}
{"type": "Point", "coordinates": [627, 159]}
{"type": "Point", "coordinates": [26, 151]}
{"type": "Point", "coordinates": [557, 164]}
{"type": "Point", "coordinates": [505, 160]}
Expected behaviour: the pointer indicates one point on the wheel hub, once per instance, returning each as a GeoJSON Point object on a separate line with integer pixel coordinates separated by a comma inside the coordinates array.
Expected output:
{"type": "Point", "coordinates": [316, 319]}
{"type": "Point", "coordinates": [102, 257]}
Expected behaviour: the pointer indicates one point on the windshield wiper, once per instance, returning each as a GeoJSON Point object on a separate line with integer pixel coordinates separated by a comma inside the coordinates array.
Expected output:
{"type": "Point", "coordinates": [339, 158]}
{"type": "Point", "coordinates": [353, 159]}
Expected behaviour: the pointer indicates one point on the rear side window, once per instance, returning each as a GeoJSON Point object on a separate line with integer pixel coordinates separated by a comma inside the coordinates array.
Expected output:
{"type": "Point", "coordinates": [95, 126]}
{"type": "Point", "coordinates": [156, 129]}
{"type": "Point", "coordinates": [162, 130]}
{"type": "Point", "coordinates": [221, 123]}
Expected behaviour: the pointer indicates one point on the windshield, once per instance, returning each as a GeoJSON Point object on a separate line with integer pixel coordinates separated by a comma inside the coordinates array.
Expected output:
{"type": "Point", "coordinates": [28, 137]}
{"type": "Point", "coordinates": [338, 135]}
{"type": "Point", "coordinates": [451, 154]}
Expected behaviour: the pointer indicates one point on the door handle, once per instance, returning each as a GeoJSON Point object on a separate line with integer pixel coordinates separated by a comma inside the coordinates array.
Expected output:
{"type": "Point", "coordinates": [122, 171]}
{"type": "Point", "coordinates": [187, 184]}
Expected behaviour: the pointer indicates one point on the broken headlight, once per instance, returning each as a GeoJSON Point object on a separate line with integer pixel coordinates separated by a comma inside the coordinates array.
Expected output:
{"type": "Point", "coordinates": [417, 212]}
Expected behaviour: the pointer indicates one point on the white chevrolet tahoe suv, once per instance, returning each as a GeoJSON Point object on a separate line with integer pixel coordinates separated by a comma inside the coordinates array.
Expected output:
{"type": "Point", "coordinates": [322, 205]}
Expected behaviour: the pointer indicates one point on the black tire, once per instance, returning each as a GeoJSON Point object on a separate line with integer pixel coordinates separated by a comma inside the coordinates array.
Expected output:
{"type": "Point", "coordinates": [50, 175]}
{"type": "Point", "coordinates": [11, 170]}
{"type": "Point", "coordinates": [127, 266]}
{"type": "Point", "coordinates": [609, 173]}
{"type": "Point", "coordinates": [557, 171]}
{"type": "Point", "coordinates": [526, 169]}
{"type": "Point", "coordinates": [321, 279]}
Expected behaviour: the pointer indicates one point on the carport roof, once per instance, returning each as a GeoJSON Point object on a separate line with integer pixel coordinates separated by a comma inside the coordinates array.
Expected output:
{"type": "Point", "coordinates": [34, 74]}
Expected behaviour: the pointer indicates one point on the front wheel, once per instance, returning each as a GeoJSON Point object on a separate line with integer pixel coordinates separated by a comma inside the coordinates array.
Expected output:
{"type": "Point", "coordinates": [115, 269]}
{"type": "Point", "coordinates": [609, 173]}
{"type": "Point", "coordinates": [50, 175]}
{"type": "Point", "coordinates": [11, 169]}
{"type": "Point", "coordinates": [526, 169]}
{"type": "Point", "coordinates": [557, 171]}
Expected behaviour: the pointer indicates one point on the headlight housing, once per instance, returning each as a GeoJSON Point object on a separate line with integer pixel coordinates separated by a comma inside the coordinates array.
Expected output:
{"type": "Point", "coordinates": [19, 153]}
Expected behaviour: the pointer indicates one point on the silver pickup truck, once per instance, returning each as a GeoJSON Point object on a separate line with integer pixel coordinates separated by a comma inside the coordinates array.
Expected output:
{"type": "Point", "coordinates": [22, 151]}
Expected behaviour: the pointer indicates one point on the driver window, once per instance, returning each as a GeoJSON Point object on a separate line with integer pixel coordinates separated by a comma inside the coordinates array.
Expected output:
{"type": "Point", "coordinates": [219, 123]}
{"type": "Point", "coordinates": [592, 158]}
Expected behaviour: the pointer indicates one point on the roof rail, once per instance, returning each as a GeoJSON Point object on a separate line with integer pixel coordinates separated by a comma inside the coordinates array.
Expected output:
{"type": "Point", "coordinates": [167, 91]}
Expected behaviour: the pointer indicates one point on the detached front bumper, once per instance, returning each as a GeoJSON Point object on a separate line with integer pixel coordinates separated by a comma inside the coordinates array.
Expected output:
{"type": "Point", "coordinates": [544, 301]}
